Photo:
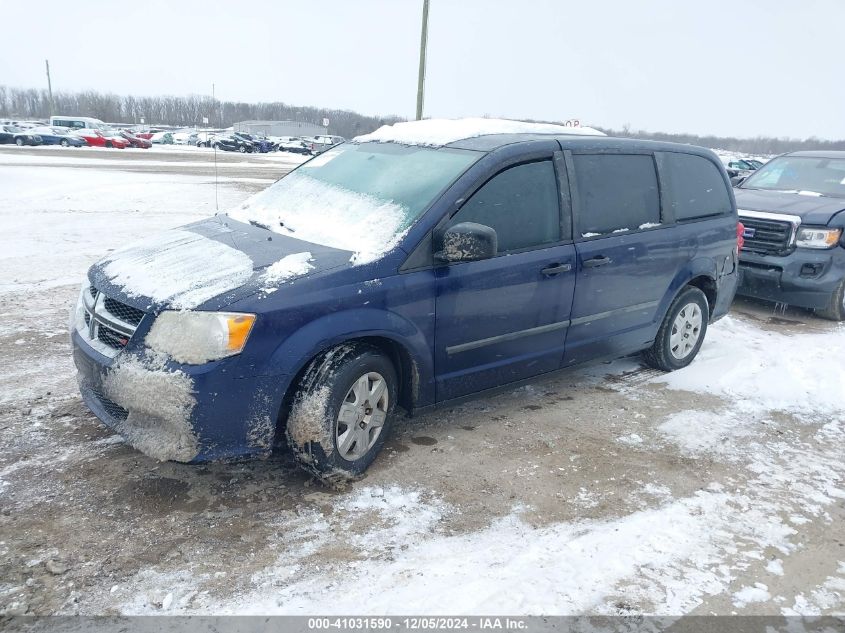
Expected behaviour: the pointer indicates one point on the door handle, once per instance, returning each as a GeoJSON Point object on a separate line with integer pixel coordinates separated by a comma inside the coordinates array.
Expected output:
{"type": "Point", "coordinates": [556, 269]}
{"type": "Point", "coordinates": [596, 261]}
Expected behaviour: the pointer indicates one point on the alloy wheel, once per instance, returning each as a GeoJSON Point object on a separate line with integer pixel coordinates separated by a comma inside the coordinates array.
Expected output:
{"type": "Point", "coordinates": [362, 415]}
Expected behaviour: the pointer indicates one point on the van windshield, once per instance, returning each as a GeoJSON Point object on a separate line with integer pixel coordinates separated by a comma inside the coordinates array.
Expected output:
{"type": "Point", "coordinates": [804, 174]}
{"type": "Point", "coordinates": [356, 197]}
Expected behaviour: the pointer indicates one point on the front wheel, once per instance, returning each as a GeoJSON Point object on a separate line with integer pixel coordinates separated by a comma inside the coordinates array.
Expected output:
{"type": "Point", "coordinates": [65, 143]}
{"type": "Point", "coordinates": [835, 310]}
{"type": "Point", "coordinates": [682, 332]}
{"type": "Point", "coordinates": [19, 142]}
{"type": "Point", "coordinates": [341, 413]}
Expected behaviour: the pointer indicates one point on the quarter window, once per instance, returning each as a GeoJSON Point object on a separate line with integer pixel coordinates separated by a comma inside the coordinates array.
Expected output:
{"type": "Point", "coordinates": [695, 186]}
{"type": "Point", "coordinates": [520, 203]}
{"type": "Point", "coordinates": [616, 192]}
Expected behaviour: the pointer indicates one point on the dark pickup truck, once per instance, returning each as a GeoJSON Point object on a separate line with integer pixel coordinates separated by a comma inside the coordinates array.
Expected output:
{"type": "Point", "coordinates": [793, 210]}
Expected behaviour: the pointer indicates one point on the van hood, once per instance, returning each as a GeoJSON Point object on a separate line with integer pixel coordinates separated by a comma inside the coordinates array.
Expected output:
{"type": "Point", "coordinates": [217, 258]}
{"type": "Point", "coordinates": [811, 209]}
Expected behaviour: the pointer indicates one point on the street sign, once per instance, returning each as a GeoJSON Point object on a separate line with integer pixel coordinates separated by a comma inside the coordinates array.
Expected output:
{"type": "Point", "coordinates": [325, 123]}
{"type": "Point", "coordinates": [205, 119]}
{"type": "Point", "coordinates": [142, 119]}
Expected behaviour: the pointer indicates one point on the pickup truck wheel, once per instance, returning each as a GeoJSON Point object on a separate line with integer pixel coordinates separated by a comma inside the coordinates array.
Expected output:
{"type": "Point", "coordinates": [682, 332]}
{"type": "Point", "coordinates": [341, 413]}
{"type": "Point", "coordinates": [835, 310]}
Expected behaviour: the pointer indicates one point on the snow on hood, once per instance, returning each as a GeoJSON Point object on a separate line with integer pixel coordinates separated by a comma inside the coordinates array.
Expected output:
{"type": "Point", "coordinates": [178, 267]}
{"type": "Point", "coordinates": [438, 132]}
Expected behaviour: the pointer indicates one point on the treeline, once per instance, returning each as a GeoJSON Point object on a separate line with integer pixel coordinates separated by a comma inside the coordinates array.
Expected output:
{"type": "Point", "coordinates": [758, 146]}
{"type": "Point", "coordinates": [20, 103]}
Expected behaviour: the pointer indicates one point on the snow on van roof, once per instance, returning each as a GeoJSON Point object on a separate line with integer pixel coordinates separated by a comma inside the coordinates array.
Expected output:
{"type": "Point", "coordinates": [438, 132]}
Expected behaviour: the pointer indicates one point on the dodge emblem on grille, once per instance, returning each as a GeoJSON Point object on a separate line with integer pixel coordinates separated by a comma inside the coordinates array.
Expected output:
{"type": "Point", "coordinates": [749, 233]}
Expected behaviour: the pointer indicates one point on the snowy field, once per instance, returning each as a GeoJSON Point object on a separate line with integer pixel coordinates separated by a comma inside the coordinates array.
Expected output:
{"type": "Point", "coordinates": [609, 490]}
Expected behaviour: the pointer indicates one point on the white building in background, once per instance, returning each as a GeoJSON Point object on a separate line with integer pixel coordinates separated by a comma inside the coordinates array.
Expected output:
{"type": "Point", "coordinates": [279, 128]}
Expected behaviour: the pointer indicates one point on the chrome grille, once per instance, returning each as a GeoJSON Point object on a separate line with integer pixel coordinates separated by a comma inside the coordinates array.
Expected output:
{"type": "Point", "coordinates": [768, 233]}
{"type": "Point", "coordinates": [108, 321]}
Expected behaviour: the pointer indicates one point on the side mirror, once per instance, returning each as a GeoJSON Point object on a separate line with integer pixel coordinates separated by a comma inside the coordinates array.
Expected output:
{"type": "Point", "coordinates": [467, 242]}
{"type": "Point", "coordinates": [736, 181]}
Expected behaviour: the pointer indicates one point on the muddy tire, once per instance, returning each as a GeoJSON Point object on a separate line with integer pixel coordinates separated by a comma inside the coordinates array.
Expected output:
{"type": "Point", "coordinates": [835, 310]}
{"type": "Point", "coordinates": [341, 413]}
{"type": "Point", "coordinates": [682, 332]}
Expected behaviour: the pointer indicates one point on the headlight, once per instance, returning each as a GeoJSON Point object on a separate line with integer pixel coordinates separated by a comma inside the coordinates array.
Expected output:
{"type": "Point", "coordinates": [198, 337]}
{"type": "Point", "coordinates": [809, 237]}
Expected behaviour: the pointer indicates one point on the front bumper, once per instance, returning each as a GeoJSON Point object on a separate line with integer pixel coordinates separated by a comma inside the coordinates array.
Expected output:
{"type": "Point", "coordinates": [804, 278]}
{"type": "Point", "coordinates": [185, 413]}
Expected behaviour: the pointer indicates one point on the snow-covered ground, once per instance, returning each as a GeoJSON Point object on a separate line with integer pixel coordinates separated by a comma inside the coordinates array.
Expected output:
{"type": "Point", "coordinates": [610, 490]}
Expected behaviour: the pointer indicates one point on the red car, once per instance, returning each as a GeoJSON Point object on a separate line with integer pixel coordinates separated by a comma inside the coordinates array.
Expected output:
{"type": "Point", "coordinates": [99, 139]}
{"type": "Point", "coordinates": [135, 141]}
{"type": "Point", "coordinates": [145, 135]}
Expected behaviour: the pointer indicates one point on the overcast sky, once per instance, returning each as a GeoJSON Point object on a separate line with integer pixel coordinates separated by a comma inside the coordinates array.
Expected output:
{"type": "Point", "coordinates": [728, 67]}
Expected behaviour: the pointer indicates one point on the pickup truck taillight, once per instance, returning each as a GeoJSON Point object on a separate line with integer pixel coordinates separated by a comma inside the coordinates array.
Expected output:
{"type": "Point", "coordinates": [740, 240]}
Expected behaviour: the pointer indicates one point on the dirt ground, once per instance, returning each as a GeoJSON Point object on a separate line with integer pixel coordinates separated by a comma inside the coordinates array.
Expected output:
{"type": "Point", "coordinates": [88, 525]}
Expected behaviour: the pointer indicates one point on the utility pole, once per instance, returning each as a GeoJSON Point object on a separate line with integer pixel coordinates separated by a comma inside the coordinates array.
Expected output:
{"type": "Point", "coordinates": [213, 105]}
{"type": "Point", "coordinates": [49, 86]}
{"type": "Point", "coordinates": [423, 45]}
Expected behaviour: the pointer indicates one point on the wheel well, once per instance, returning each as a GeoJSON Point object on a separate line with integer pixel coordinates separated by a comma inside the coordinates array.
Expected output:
{"type": "Point", "coordinates": [405, 367]}
{"type": "Point", "coordinates": [708, 287]}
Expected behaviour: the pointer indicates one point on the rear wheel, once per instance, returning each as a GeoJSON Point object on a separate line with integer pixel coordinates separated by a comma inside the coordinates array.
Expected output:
{"type": "Point", "coordinates": [341, 413]}
{"type": "Point", "coordinates": [835, 310]}
{"type": "Point", "coordinates": [64, 142]}
{"type": "Point", "coordinates": [109, 144]}
{"type": "Point", "coordinates": [682, 332]}
{"type": "Point", "coordinates": [19, 142]}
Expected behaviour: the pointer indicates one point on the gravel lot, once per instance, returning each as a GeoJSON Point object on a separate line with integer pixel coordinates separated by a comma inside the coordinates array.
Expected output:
{"type": "Point", "coordinates": [609, 489]}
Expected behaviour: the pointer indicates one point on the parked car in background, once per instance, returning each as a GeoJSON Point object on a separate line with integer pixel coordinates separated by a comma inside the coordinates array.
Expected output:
{"type": "Point", "coordinates": [292, 144]}
{"type": "Point", "coordinates": [135, 141]}
{"type": "Point", "coordinates": [59, 136]}
{"type": "Point", "coordinates": [793, 209]}
{"type": "Point", "coordinates": [13, 135]}
{"type": "Point", "coordinates": [234, 143]}
{"type": "Point", "coordinates": [205, 139]}
{"type": "Point", "coordinates": [162, 138]}
{"type": "Point", "coordinates": [144, 135]}
{"type": "Point", "coordinates": [76, 122]}
{"type": "Point", "coordinates": [322, 142]}
{"type": "Point", "coordinates": [409, 275]}
{"type": "Point", "coordinates": [97, 138]}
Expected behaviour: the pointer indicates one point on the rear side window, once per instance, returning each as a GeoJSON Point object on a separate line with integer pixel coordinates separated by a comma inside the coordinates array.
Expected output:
{"type": "Point", "coordinates": [695, 186]}
{"type": "Point", "coordinates": [616, 192]}
{"type": "Point", "coordinates": [520, 203]}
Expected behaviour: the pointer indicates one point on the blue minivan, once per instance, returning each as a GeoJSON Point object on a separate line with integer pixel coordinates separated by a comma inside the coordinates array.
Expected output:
{"type": "Point", "coordinates": [419, 265]}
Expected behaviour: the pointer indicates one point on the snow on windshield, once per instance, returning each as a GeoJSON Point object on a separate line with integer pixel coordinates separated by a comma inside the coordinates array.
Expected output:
{"type": "Point", "coordinates": [321, 213]}
{"type": "Point", "coordinates": [438, 132]}
{"type": "Point", "coordinates": [182, 268]}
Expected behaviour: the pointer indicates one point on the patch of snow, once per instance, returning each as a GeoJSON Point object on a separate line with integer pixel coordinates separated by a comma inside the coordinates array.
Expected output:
{"type": "Point", "coordinates": [178, 267]}
{"type": "Point", "coordinates": [439, 132]}
{"type": "Point", "coordinates": [648, 225]}
{"type": "Point", "coordinates": [775, 566]}
{"type": "Point", "coordinates": [590, 234]}
{"type": "Point", "coordinates": [317, 212]}
{"type": "Point", "coordinates": [631, 440]}
{"type": "Point", "coordinates": [701, 432]}
{"type": "Point", "coordinates": [778, 371]}
{"type": "Point", "coordinates": [758, 593]}
{"type": "Point", "coordinates": [287, 268]}
{"type": "Point", "coordinates": [621, 230]}
{"type": "Point", "coordinates": [829, 597]}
